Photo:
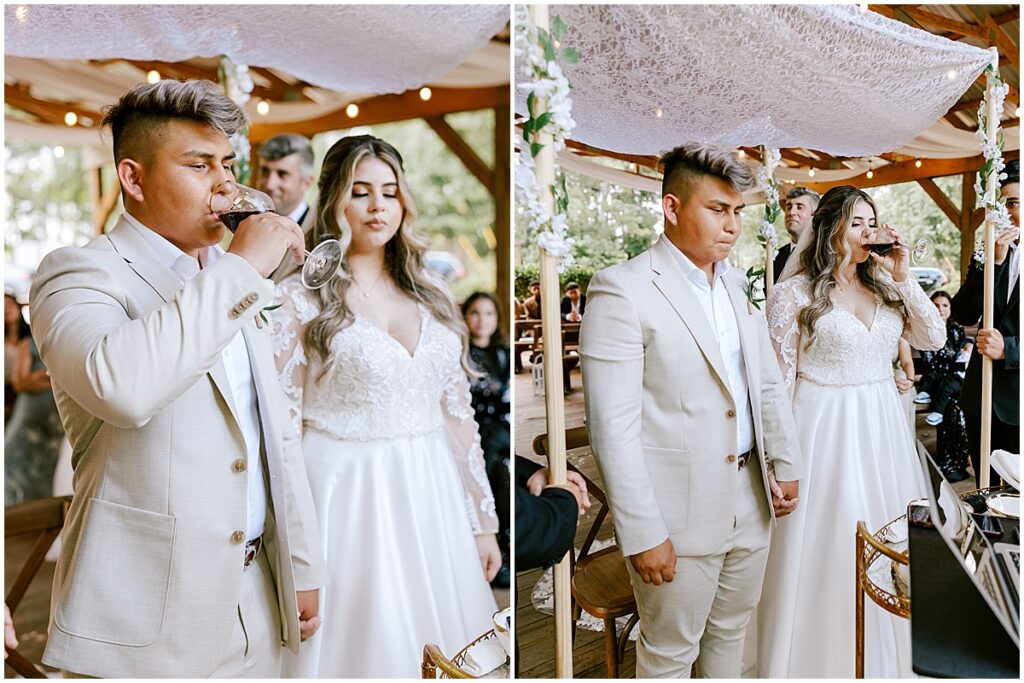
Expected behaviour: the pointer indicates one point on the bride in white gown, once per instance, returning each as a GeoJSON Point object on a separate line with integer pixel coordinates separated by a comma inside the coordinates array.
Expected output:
{"type": "Point", "coordinates": [835, 325]}
{"type": "Point", "coordinates": [375, 366]}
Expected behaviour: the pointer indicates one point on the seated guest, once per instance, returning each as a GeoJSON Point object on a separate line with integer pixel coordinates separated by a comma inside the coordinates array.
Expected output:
{"type": "Point", "coordinates": [573, 303]}
{"type": "Point", "coordinates": [532, 302]}
{"type": "Point", "coordinates": [15, 329]}
{"type": "Point", "coordinates": [944, 373]}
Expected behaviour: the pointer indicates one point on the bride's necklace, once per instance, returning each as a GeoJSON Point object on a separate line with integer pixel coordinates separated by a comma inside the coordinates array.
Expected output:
{"type": "Point", "coordinates": [367, 292]}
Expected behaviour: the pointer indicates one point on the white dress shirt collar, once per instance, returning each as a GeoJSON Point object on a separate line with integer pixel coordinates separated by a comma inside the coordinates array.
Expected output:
{"type": "Point", "coordinates": [296, 214]}
{"type": "Point", "coordinates": [170, 256]}
{"type": "Point", "coordinates": [692, 272]}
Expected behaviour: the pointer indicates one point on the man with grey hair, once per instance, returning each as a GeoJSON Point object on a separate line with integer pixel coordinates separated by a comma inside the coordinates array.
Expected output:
{"type": "Point", "coordinates": [286, 173]}
{"type": "Point", "coordinates": [191, 547]}
{"type": "Point", "coordinates": [690, 423]}
{"type": "Point", "coordinates": [799, 206]}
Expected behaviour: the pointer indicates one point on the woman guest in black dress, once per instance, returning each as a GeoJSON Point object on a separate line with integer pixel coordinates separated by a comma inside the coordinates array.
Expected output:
{"type": "Point", "coordinates": [489, 354]}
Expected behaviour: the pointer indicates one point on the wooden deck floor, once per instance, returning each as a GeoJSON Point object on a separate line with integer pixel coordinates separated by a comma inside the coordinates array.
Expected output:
{"type": "Point", "coordinates": [535, 631]}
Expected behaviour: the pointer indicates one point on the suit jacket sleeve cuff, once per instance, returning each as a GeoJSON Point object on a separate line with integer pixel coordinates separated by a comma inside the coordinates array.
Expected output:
{"type": "Point", "coordinates": [785, 471]}
{"type": "Point", "coordinates": [1011, 346]}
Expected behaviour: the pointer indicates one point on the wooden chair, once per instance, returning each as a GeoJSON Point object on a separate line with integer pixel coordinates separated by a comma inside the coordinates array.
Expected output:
{"type": "Point", "coordinates": [600, 581]}
{"type": "Point", "coordinates": [434, 659]}
{"type": "Point", "coordinates": [44, 518]}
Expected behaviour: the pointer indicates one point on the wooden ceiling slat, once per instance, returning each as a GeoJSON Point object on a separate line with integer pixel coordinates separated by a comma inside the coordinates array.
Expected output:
{"type": "Point", "coordinates": [937, 21]}
{"type": "Point", "coordinates": [19, 97]}
{"type": "Point", "coordinates": [907, 171]}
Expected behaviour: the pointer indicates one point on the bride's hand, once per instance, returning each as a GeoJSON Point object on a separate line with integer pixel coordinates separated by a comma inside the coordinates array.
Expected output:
{"type": "Point", "coordinates": [897, 261]}
{"type": "Point", "coordinates": [490, 555]}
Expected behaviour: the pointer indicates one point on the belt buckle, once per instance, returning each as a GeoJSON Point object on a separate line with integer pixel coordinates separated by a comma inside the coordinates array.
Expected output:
{"type": "Point", "coordinates": [252, 550]}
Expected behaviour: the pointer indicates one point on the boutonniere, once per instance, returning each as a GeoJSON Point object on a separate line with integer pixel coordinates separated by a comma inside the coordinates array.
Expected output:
{"type": "Point", "coordinates": [755, 289]}
{"type": "Point", "coordinates": [261, 319]}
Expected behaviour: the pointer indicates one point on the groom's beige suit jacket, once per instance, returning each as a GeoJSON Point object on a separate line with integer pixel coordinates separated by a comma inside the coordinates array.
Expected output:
{"type": "Point", "coordinates": [149, 575]}
{"type": "Point", "coordinates": [661, 417]}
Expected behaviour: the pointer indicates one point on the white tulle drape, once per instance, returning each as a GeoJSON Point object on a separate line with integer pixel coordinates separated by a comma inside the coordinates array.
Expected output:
{"type": "Point", "coordinates": [341, 47]}
{"type": "Point", "coordinates": [825, 77]}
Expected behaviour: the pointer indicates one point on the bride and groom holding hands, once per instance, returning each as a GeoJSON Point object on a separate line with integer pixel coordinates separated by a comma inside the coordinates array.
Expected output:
{"type": "Point", "coordinates": [740, 448]}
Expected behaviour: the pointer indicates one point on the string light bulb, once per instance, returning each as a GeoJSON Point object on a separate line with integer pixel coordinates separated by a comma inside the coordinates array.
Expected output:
{"type": "Point", "coordinates": [742, 154]}
{"type": "Point", "coordinates": [917, 164]}
{"type": "Point", "coordinates": [426, 94]}
{"type": "Point", "coordinates": [871, 174]}
{"type": "Point", "coordinates": [263, 108]}
{"type": "Point", "coordinates": [810, 173]}
{"type": "Point", "coordinates": [70, 119]}
{"type": "Point", "coordinates": [352, 110]}
{"type": "Point", "coordinates": [153, 76]}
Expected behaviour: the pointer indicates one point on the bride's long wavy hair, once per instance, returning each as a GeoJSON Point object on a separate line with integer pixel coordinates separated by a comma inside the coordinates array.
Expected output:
{"type": "Point", "coordinates": [403, 254]}
{"type": "Point", "coordinates": [827, 255]}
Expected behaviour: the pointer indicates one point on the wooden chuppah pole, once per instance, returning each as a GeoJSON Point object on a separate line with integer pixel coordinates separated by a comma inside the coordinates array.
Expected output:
{"type": "Point", "coordinates": [554, 399]}
{"type": "Point", "coordinates": [769, 269]}
{"type": "Point", "coordinates": [991, 123]}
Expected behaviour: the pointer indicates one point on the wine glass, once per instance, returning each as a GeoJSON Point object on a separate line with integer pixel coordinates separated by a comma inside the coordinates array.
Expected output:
{"type": "Point", "coordinates": [879, 241]}
{"type": "Point", "coordinates": [234, 203]}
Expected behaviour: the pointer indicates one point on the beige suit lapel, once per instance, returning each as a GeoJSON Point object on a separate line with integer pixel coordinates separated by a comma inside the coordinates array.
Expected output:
{"type": "Point", "coordinates": [671, 282]}
{"type": "Point", "coordinates": [264, 372]}
{"type": "Point", "coordinates": [140, 258]}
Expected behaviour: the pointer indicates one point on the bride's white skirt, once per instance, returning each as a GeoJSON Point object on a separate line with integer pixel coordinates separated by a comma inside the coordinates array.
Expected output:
{"type": "Point", "coordinates": [861, 464]}
{"type": "Point", "coordinates": [401, 558]}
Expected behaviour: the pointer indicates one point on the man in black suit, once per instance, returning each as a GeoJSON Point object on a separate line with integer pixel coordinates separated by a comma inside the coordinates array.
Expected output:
{"type": "Point", "coordinates": [546, 514]}
{"type": "Point", "coordinates": [799, 207]}
{"type": "Point", "coordinates": [285, 172]}
{"type": "Point", "coordinates": [1000, 343]}
{"type": "Point", "coordinates": [573, 303]}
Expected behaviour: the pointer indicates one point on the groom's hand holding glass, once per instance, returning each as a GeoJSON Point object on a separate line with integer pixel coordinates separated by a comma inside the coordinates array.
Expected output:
{"type": "Point", "coordinates": [259, 238]}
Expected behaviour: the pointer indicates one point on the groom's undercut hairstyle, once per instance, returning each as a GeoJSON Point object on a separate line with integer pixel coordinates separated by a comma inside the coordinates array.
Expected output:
{"type": "Point", "coordinates": [686, 163]}
{"type": "Point", "coordinates": [142, 111]}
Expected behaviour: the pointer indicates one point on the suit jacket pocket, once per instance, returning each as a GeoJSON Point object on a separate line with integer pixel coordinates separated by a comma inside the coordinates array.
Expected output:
{"type": "Point", "coordinates": [669, 469]}
{"type": "Point", "coordinates": [116, 587]}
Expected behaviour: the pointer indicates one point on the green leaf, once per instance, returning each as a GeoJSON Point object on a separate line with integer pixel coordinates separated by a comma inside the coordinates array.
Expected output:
{"type": "Point", "coordinates": [558, 28]}
{"type": "Point", "coordinates": [542, 120]}
{"type": "Point", "coordinates": [549, 48]}
{"type": "Point", "coordinates": [535, 148]}
{"type": "Point", "coordinates": [758, 273]}
{"type": "Point", "coordinates": [570, 54]}
{"type": "Point", "coordinates": [530, 99]}
{"type": "Point", "coordinates": [272, 308]}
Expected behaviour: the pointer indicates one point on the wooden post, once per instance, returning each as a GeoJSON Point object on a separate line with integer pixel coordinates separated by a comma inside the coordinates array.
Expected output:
{"type": "Point", "coordinates": [769, 269]}
{"type": "Point", "coordinates": [989, 296]}
{"type": "Point", "coordinates": [554, 399]}
{"type": "Point", "coordinates": [501, 192]}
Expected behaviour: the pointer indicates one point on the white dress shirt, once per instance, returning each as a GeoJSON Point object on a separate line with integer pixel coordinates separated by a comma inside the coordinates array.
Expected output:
{"type": "Point", "coordinates": [299, 210]}
{"type": "Point", "coordinates": [236, 364]}
{"type": "Point", "coordinates": [722, 318]}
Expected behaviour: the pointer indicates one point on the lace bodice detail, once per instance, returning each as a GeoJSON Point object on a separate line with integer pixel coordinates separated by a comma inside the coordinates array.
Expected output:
{"type": "Point", "coordinates": [374, 389]}
{"type": "Point", "coordinates": [845, 351]}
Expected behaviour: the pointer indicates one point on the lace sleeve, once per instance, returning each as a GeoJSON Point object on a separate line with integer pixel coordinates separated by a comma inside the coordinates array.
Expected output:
{"type": "Point", "coordinates": [784, 304]}
{"type": "Point", "coordinates": [927, 331]}
{"type": "Point", "coordinates": [289, 321]}
{"type": "Point", "coordinates": [464, 441]}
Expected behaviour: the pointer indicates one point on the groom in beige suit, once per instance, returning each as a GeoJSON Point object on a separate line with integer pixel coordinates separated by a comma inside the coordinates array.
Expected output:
{"type": "Point", "coordinates": [690, 423]}
{"type": "Point", "coordinates": [191, 548]}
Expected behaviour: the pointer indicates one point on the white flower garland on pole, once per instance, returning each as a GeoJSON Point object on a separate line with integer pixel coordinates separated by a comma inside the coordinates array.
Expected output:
{"type": "Point", "coordinates": [992, 150]}
{"type": "Point", "coordinates": [238, 85]}
{"type": "Point", "coordinates": [770, 159]}
{"type": "Point", "coordinates": [544, 83]}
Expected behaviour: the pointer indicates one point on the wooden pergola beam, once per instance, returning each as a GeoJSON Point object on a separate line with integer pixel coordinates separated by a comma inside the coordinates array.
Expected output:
{"type": "Point", "coordinates": [1008, 16]}
{"type": "Point", "coordinates": [940, 199]}
{"type": "Point", "coordinates": [997, 36]}
{"type": "Point", "coordinates": [390, 108]}
{"type": "Point", "coordinates": [906, 171]}
{"type": "Point", "coordinates": [501, 190]}
{"type": "Point", "coordinates": [462, 149]}
{"type": "Point", "coordinates": [801, 160]}
{"type": "Point", "coordinates": [936, 21]}
{"type": "Point", "coordinates": [642, 160]}
{"type": "Point", "coordinates": [19, 97]}
{"type": "Point", "coordinates": [176, 70]}
{"type": "Point", "coordinates": [279, 89]}
{"type": "Point", "coordinates": [955, 120]}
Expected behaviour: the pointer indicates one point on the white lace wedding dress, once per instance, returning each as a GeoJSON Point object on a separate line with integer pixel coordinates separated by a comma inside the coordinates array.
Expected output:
{"type": "Point", "coordinates": [861, 464]}
{"type": "Point", "coordinates": [397, 474]}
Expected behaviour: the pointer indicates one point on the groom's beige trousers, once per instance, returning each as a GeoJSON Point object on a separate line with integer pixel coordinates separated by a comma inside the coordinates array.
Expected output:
{"type": "Point", "coordinates": [702, 615]}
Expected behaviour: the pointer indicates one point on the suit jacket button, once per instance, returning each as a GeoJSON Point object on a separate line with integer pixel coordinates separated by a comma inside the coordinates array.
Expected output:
{"type": "Point", "coordinates": [238, 465]}
{"type": "Point", "coordinates": [730, 413]}
{"type": "Point", "coordinates": [252, 298]}
{"type": "Point", "coordinates": [238, 537]}
{"type": "Point", "coordinates": [730, 458]}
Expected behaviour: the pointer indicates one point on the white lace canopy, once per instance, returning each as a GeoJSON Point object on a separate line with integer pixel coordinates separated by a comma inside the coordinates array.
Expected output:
{"type": "Point", "coordinates": [364, 48]}
{"type": "Point", "coordinates": [825, 77]}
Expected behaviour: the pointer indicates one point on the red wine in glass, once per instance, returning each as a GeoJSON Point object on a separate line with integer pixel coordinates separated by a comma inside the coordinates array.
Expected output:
{"type": "Point", "coordinates": [881, 248]}
{"type": "Point", "coordinates": [233, 218]}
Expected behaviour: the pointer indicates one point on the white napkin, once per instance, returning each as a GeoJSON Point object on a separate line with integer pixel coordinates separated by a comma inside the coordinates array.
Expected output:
{"type": "Point", "coordinates": [897, 533]}
{"type": "Point", "coordinates": [1008, 466]}
{"type": "Point", "coordinates": [484, 657]}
